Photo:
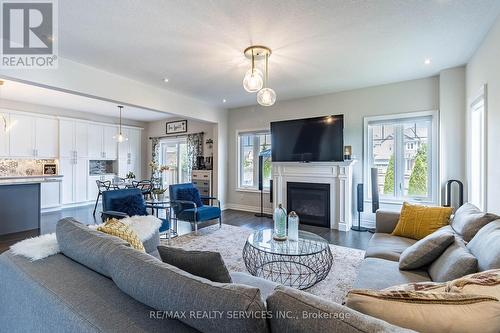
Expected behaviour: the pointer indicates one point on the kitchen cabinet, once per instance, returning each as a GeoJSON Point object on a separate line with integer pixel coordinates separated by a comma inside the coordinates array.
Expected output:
{"type": "Point", "coordinates": [102, 145]}
{"type": "Point", "coordinates": [50, 194]}
{"type": "Point", "coordinates": [130, 153]}
{"type": "Point", "coordinates": [92, 185]}
{"type": "Point", "coordinates": [73, 139]}
{"type": "Point", "coordinates": [4, 134]}
{"type": "Point", "coordinates": [31, 136]}
{"type": "Point", "coordinates": [74, 184]}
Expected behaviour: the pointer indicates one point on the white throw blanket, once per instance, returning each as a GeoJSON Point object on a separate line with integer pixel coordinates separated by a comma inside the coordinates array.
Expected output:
{"type": "Point", "coordinates": [43, 246]}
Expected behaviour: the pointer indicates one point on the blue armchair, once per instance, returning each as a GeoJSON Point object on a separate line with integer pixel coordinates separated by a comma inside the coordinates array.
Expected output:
{"type": "Point", "coordinates": [186, 203]}
{"type": "Point", "coordinates": [127, 202]}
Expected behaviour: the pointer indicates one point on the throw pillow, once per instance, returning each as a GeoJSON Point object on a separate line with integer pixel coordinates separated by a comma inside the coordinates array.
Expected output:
{"type": "Point", "coordinates": [132, 205]}
{"type": "Point", "coordinates": [455, 262]}
{"type": "Point", "coordinates": [190, 194]}
{"type": "Point", "coordinates": [416, 221]}
{"type": "Point", "coordinates": [426, 250]}
{"type": "Point", "coordinates": [469, 219]}
{"type": "Point", "coordinates": [206, 264]}
{"type": "Point", "coordinates": [485, 283]}
{"type": "Point", "coordinates": [431, 312]}
{"type": "Point", "coordinates": [116, 228]}
{"type": "Point", "coordinates": [485, 246]}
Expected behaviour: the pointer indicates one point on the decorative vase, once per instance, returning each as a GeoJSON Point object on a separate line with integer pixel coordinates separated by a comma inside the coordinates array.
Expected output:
{"type": "Point", "coordinates": [279, 223]}
{"type": "Point", "coordinates": [293, 226]}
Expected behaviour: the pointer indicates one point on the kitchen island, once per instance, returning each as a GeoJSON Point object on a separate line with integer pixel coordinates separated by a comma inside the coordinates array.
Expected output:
{"type": "Point", "coordinates": [20, 203]}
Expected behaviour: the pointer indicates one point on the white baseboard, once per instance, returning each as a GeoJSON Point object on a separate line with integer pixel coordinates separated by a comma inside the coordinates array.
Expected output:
{"type": "Point", "coordinates": [246, 208]}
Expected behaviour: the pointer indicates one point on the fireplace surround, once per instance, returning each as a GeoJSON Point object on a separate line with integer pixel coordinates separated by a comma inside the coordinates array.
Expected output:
{"type": "Point", "coordinates": [338, 175]}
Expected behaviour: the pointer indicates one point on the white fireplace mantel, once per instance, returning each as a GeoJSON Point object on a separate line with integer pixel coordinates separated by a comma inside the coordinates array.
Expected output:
{"type": "Point", "coordinates": [337, 174]}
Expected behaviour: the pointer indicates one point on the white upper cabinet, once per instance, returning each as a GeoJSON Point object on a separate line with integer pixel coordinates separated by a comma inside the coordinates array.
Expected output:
{"type": "Point", "coordinates": [109, 144]}
{"type": "Point", "coordinates": [101, 144]}
{"type": "Point", "coordinates": [130, 152]}
{"type": "Point", "coordinates": [32, 136]}
{"type": "Point", "coordinates": [4, 134]}
{"type": "Point", "coordinates": [46, 137]}
{"type": "Point", "coordinates": [22, 136]}
{"type": "Point", "coordinates": [73, 139]}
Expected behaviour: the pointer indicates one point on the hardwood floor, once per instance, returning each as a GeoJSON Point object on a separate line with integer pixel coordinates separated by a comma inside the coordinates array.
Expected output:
{"type": "Point", "coordinates": [353, 239]}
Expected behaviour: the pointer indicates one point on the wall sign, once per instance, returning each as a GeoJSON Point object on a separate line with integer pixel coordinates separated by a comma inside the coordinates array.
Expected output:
{"type": "Point", "coordinates": [50, 169]}
{"type": "Point", "coordinates": [177, 127]}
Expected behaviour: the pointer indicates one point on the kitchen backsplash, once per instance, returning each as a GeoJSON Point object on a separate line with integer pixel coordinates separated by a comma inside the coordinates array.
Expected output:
{"type": "Point", "coordinates": [11, 167]}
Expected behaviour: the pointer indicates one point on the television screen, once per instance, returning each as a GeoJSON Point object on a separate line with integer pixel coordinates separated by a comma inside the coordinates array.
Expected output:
{"type": "Point", "coordinates": [308, 140]}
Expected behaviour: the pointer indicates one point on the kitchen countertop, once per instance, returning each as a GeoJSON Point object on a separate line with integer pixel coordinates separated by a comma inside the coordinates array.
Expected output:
{"type": "Point", "coordinates": [15, 180]}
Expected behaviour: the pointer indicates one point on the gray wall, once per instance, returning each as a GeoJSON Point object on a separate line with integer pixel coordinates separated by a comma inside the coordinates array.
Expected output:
{"type": "Point", "coordinates": [401, 97]}
{"type": "Point", "coordinates": [484, 68]}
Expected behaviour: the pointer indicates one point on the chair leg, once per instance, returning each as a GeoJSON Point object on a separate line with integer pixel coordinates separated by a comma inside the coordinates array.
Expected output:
{"type": "Point", "coordinates": [96, 202]}
{"type": "Point", "coordinates": [195, 228]}
{"type": "Point", "coordinates": [220, 221]}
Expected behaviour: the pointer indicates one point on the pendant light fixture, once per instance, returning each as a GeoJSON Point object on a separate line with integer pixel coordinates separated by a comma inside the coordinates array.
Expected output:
{"type": "Point", "coordinates": [266, 96]}
{"type": "Point", "coordinates": [254, 80]}
{"type": "Point", "coordinates": [120, 137]}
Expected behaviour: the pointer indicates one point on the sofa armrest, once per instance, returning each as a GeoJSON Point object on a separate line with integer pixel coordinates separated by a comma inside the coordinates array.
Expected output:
{"type": "Point", "coordinates": [386, 221]}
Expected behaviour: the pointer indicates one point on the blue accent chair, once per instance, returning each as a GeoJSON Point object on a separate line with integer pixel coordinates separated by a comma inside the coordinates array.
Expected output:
{"type": "Point", "coordinates": [128, 202]}
{"type": "Point", "coordinates": [187, 209]}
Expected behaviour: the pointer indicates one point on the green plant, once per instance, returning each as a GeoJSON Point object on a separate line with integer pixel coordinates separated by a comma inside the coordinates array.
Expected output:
{"type": "Point", "coordinates": [389, 177]}
{"type": "Point", "coordinates": [418, 177]}
{"type": "Point", "coordinates": [130, 175]}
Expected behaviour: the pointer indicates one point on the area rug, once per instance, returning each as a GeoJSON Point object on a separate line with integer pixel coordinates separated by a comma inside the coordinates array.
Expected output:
{"type": "Point", "coordinates": [229, 241]}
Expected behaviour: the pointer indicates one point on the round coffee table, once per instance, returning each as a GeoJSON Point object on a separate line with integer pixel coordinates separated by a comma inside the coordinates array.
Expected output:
{"type": "Point", "coordinates": [299, 264]}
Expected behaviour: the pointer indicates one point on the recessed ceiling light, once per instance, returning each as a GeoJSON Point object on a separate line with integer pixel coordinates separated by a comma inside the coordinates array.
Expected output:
{"type": "Point", "coordinates": [165, 80]}
{"type": "Point", "coordinates": [224, 100]}
{"type": "Point", "coordinates": [427, 61]}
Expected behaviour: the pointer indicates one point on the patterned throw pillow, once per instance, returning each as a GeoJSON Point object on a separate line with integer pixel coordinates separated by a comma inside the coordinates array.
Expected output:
{"type": "Point", "coordinates": [116, 228]}
{"type": "Point", "coordinates": [417, 221]}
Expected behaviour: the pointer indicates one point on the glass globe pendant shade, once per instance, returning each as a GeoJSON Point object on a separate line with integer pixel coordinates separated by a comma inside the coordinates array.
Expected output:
{"type": "Point", "coordinates": [120, 138]}
{"type": "Point", "coordinates": [253, 80]}
{"type": "Point", "coordinates": [266, 97]}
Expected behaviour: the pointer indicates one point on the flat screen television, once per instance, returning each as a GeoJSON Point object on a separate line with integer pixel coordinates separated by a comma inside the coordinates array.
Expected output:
{"type": "Point", "coordinates": [308, 140]}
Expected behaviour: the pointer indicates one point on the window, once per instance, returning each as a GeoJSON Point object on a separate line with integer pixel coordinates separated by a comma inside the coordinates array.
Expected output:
{"type": "Point", "coordinates": [477, 152]}
{"type": "Point", "coordinates": [250, 145]}
{"type": "Point", "coordinates": [404, 150]}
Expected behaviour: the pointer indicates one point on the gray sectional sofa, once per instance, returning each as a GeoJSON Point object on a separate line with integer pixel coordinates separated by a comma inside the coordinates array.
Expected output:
{"type": "Point", "coordinates": [99, 284]}
{"type": "Point", "coordinates": [380, 268]}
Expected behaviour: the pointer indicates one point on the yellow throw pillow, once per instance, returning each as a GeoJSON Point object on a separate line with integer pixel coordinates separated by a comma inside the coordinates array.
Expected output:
{"type": "Point", "coordinates": [116, 228]}
{"type": "Point", "coordinates": [417, 221]}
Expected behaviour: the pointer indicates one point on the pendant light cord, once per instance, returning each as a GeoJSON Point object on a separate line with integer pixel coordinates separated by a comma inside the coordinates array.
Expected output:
{"type": "Point", "coordinates": [267, 69]}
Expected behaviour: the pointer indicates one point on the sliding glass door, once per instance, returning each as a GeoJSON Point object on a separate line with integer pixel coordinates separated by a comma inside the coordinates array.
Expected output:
{"type": "Point", "coordinates": [173, 153]}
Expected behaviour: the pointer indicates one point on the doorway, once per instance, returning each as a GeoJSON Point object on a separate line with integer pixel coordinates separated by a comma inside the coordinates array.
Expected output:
{"type": "Point", "coordinates": [173, 153]}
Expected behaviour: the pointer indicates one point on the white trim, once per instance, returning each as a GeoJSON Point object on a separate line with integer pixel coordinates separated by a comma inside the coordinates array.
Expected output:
{"type": "Point", "coordinates": [247, 208]}
{"type": "Point", "coordinates": [435, 141]}
{"type": "Point", "coordinates": [480, 96]}
{"type": "Point", "coordinates": [238, 156]}
{"type": "Point", "coordinates": [251, 190]}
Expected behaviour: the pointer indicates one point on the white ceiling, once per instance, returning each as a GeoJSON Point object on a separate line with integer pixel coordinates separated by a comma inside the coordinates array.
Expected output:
{"type": "Point", "coordinates": [25, 93]}
{"type": "Point", "coordinates": [318, 46]}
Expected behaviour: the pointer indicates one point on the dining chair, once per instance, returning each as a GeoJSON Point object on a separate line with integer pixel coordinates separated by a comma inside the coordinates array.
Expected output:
{"type": "Point", "coordinates": [101, 187]}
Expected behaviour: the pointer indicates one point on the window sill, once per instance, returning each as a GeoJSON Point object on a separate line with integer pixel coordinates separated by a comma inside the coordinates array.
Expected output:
{"type": "Point", "coordinates": [400, 202]}
{"type": "Point", "coordinates": [250, 190]}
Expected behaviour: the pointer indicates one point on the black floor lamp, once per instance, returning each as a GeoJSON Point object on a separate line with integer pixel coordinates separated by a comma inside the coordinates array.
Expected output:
{"type": "Point", "coordinates": [265, 154]}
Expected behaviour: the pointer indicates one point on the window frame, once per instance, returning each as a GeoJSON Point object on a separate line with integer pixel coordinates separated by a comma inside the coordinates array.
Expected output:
{"type": "Point", "coordinates": [433, 198]}
{"type": "Point", "coordinates": [474, 103]}
{"type": "Point", "coordinates": [239, 133]}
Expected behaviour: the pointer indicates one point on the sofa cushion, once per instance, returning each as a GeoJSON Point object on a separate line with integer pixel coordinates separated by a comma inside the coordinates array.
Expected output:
{"type": "Point", "coordinates": [456, 261]}
{"type": "Point", "coordinates": [486, 246]}
{"type": "Point", "coordinates": [426, 250]}
{"type": "Point", "coordinates": [386, 246]}
{"type": "Point", "coordinates": [84, 245]}
{"type": "Point", "coordinates": [428, 311]}
{"type": "Point", "coordinates": [204, 213]}
{"type": "Point", "coordinates": [418, 221]}
{"type": "Point", "coordinates": [167, 288]}
{"type": "Point", "coordinates": [265, 286]}
{"type": "Point", "coordinates": [116, 228]}
{"type": "Point", "coordinates": [469, 219]}
{"type": "Point", "coordinates": [57, 295]}
{"type": "Point", "coordinates": [375, 273]}
{"type": "Point", "coordinates": [206, 264]}
{"type": "Point", "coordinates": [309, 313]}
{"type": "Point", "coordinates": [485, 283]}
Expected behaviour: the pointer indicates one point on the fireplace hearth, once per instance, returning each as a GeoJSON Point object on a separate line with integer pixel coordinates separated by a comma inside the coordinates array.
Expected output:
{"type": "Point", "coordinates": [310, 201]}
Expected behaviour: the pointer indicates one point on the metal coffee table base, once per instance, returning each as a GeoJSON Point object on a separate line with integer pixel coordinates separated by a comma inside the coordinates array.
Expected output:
{"type": "Point", "coordinates": [297, 271]}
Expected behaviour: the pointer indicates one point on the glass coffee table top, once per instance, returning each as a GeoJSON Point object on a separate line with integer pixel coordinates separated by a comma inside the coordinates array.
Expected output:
{"type": "Point", "coordinates": [307, 244]}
